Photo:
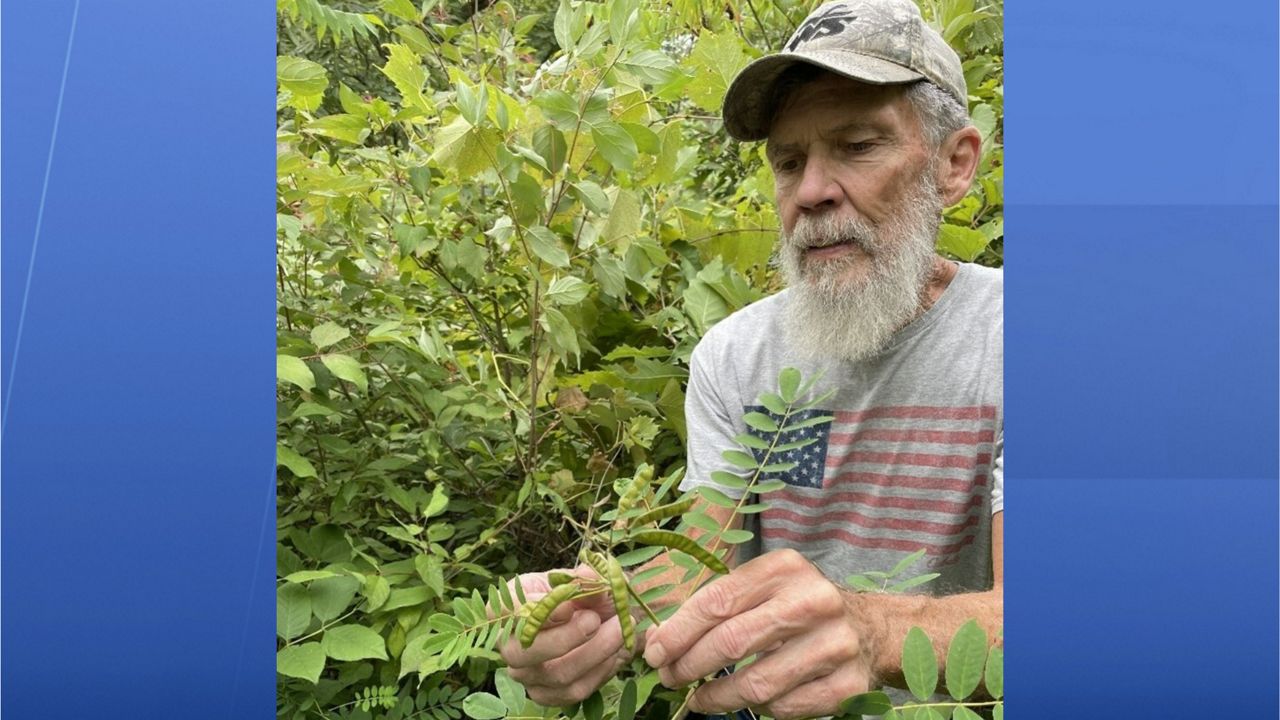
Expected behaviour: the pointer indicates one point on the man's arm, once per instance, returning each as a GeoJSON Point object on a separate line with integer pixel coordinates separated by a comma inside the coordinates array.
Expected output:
{"type": "Point", "coordinates": [817, 643]}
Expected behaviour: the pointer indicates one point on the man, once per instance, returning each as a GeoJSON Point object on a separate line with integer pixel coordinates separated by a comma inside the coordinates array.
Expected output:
{"type": "Point", "coordinates": [868, 137]}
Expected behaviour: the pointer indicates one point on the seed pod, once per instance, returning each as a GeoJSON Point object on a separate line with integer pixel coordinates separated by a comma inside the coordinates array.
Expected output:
{"type": "Point", "coordinates": [686, 545]}
{"type": "Point", "coordinates": [609, 569]}
{"type": "Point", "coordinates": [543, 609]}
{"type": "Point", "coordinates": [631, 496]}
{"type": "Point", "coordinates": [662, 512]}
{"type": "Point", "coordinates": [558, 578]}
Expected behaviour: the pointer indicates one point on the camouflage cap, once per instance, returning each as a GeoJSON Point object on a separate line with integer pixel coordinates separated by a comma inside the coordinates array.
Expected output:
{"type": "Point", "coordinates": [882, 42]}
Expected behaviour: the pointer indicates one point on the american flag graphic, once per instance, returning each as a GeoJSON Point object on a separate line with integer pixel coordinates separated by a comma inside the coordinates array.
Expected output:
{"type": "Point", "coordinates": [894, 478]}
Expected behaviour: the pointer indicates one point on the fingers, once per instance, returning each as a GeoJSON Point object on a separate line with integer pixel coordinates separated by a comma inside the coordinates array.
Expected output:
{"type": "Point", "coordinates": [814, 698]}
{"type": "Point", "coordinates": [557, 637]}
{"type": "Point", "coordinates": [575, 674]}
{"type": "Point", "coordinates": [754, 631]}
{"type": "Point", "coordinates": [726, 597]}
{"type": "Point", "coordinates": [773, 677]}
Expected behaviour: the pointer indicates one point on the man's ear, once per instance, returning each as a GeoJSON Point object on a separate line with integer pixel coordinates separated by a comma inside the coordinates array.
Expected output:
{"type": "Point", "coordinates": [958, 163]}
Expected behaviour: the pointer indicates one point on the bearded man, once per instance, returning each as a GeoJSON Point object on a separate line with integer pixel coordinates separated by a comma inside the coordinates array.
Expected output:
{"type": "Point", "coordinates": [867, 133]}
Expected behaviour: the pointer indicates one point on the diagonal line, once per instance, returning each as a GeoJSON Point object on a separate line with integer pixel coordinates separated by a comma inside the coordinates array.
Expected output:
{"type": "Point", "coordinates": [253, 589]}
{"type": "Point", "coordinates": [35, 243]}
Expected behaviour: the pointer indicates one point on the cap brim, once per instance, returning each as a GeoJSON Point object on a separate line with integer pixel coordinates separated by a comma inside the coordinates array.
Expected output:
{"type": "Point", "coordinates": [750, 101]}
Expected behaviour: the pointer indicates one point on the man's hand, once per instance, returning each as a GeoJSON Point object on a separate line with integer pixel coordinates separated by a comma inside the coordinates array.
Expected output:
{"type": "Point", "coordinates": [813, 650]}
{"type": "Point", "coordinates": [578, 648]}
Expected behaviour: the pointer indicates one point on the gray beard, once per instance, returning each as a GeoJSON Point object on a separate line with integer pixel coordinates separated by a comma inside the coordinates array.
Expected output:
{"type": "Point", "coordinates": [829, 317]}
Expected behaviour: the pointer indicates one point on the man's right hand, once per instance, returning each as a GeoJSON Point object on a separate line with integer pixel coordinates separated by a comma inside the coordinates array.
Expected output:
{"type": "Point", "coordinates": [577, 649]}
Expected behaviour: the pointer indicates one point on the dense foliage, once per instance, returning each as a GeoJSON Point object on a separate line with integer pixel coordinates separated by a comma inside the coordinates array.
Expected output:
{"type": "Point", "coordinates": [500, 235]}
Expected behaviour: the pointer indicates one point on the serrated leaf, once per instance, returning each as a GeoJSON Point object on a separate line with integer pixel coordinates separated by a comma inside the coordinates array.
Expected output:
{"type": "Point", "coordinates": [326, 334]}
{"type": "Point", "coordinates": [961, 242]}
{"type": "Point", "coordinates": [919, 664]}
{"type": "Point", "coordinates": [965, 658]}
{"type": "Point", "coordinates": [298, 465]}
{"type": "Point", "coordinates": [615, 145]}
{"type": "Point", "coordinates": [294, 370]}
{"type": "Point", "coordinates": [293, 611]}
{"type": "Point", "coordinates": [567, 290]}
{"type": "Point", "coordinates": [340, 126]}
{"type": "Point", "coordinates": [353, 642]}
{"type": "Point", "coordinates": [484, 706]}
{"type": "Point", "coordinates": [545, 245]}
{"type": "Point", "coordinates": [300, 76]}
{"type": "Point", "coordinates": [305, 661]}
{"type": "Point", "coordinates": [994, 675]}
{"type": "Point", "coordinates": [347, 368]}
{"type": "Point", "coordinates": [405, 71]}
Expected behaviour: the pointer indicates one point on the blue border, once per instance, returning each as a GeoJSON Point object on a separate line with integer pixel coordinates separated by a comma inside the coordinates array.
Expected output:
{"type": "Point", "coordinates": [1141, 374]}
{"type": "Point", "coordinates": [138, 432]}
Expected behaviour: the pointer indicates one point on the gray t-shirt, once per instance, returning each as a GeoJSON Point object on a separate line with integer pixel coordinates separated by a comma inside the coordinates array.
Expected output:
{"type": "Point", "coordinates": [913, 457]}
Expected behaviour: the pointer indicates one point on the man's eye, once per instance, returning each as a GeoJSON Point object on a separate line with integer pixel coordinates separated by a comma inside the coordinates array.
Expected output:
{"type": "Point", "coordinates": [786, 165]}
{"type": "Point", "coordinates": [858, 147]}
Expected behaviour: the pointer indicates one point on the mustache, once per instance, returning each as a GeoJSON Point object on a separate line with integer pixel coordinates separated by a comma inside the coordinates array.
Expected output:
{"type": "Point", "coordinates": [826, 230]}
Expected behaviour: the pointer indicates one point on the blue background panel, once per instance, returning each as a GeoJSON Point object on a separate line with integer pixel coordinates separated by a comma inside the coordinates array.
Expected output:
{"type": "Point", "coordinates": [138, 447]}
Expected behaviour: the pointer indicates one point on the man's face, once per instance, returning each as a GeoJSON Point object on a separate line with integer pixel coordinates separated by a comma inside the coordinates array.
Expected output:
{"type": "Point", "coordinates": [860, 210]}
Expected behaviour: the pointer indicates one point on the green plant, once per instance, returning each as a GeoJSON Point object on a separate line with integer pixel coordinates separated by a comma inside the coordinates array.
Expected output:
{"type": "Point", "coordinates": [500, 235]}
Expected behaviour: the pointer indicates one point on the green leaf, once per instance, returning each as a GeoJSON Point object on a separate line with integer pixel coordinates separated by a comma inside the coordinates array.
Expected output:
{"type": "Point", "coordinates": [297, 464]}
{"type": "Point", "coordinates": [862, 583]}
{"type": "Point", "coordinates": [961, 242]}
{"type": "Point", "coordinates": [965, 658]}
{"type": "Point", "coordinates": [907, 562]}
{"type": "Point", "coordinates": [341, 126]}
{"type": "Point", "coordinates": [627, 701]}
{"type": "Point", "coordinates": [564, 336]}
{"type": "Point", "coordinates": [726, 479]}
{"type": "Point", "coordinates": [347, 368]}
{"type": "Point", "coordinates": [293, 611]}
{"type": "Point", "coordinates": [376, 590]}
{"type": "Point", "coordinates": [484, 706]}
{"type": "Point", "coordinates": [715, 497]}
{"type": "Point", "coordinates": [920, 664]}
{"type": "Point", "coordinates": [512, 693]}
{"type": "Point", "coordinates": [405, 71]}
{"type": "Point", "coordinates": [774, 404]}
{"type": "Point", "coordinates": [739, 459]}
{"type": "Point", "coordinates": [912, 582]}
{"type": "Point", "coordinates": [788, 384]}
{"type": "Point", "coordinates": [331, 596]}
{"type": "Point", "coordinates": [300, 76]}
{"type": "Point", "coordinates": [995, 672]}
{"type": "Point", "coordinates": [593, 706]}
{"type": "Point", "coordinates": [567, 290]}
{"type": "Point", "coordinates": [544, 244]}
{"type": "Point", "coordinates": [294, 370]}
{"type": "Point", "coordinates": [714, 62]}
{"type": "Point", "coordinates": [305, 661]}
{"type": "Point", "coordinates": [761, 422]}
{"type": "Point", "coordinates": [445, 623]}
{"type": "Point", "coordinates": [704, 305]}
{"type": "Point", "coordinates": [353, 642]}
{"type": "Point", "coordinates": [624, 217]}
{"type": "Point", "coordinates": [303, 576]}
{"type": "Point", "coordinates": [326, 334]}
{"type": "Point", "coordinates": [868, 703]}
{"type": "Point", "coordinates": [615, 145]}
{"type": "Point", "coordinates": [754, 442]}
{"type": "Point", "coordinates": [997, 712]}
{"type": "Point", "coordinates": [650, 66]}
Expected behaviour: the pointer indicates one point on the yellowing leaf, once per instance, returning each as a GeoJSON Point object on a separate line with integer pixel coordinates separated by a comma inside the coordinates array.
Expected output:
{"type": "Point", "coordinates": [715, 60]}
{"type": "Point", "coordinates": [294, 370]}
{"type": "Point", "coordinates": [347, 368]}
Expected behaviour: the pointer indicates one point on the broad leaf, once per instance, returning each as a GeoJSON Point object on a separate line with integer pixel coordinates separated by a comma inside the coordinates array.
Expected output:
{"type": "Point", "coordinates": [965, 658]}
{"type": "Point", "coordinates": [484, 706]}
{"type": "Point", "coordinates": [919, 664]}
{"type": "Point", "coordinates": [353, 642]}
{"type": "Point", "coordinates": [294, 370]}
{"type": "Point", "coordinates": [305, 661]}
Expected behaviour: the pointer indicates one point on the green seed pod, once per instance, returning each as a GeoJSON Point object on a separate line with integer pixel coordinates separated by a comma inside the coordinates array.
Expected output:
{"type": "Point", "coordinates": [662, 512]}
{"type": "Point", "coordinates": [609, 569]}
{"type": "Point", "coordinates": [558, 578]}
{"type": "Point", "coordinates": [639, 483]}
{"type": "Point", "coordinates": [543, 609]}
{"type": "Point", "coordinates": [686, 545]}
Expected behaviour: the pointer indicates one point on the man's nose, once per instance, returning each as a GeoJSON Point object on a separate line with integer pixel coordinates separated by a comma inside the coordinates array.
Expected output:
{"type": "Point", "coordinates": [818, 187]}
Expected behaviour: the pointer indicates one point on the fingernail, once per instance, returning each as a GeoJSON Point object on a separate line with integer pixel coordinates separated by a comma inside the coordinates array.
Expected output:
{"type": "Point", "coordinates": [655, 654]}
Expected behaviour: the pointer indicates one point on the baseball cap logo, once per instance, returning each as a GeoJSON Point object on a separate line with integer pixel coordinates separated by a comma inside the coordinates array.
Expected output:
{"type": "Point", "coordinates": [832, 21]}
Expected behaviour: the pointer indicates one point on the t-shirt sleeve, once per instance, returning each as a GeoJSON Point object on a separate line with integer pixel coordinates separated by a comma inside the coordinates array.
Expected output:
{"type": "Point", "coordinates": [997, 477]}
{"type": "Point", "coordinates": [710, 421]}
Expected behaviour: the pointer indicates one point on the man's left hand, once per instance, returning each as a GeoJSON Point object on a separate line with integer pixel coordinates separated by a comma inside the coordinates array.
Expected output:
{"type": "Point", "coordinates": [813, 649]}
